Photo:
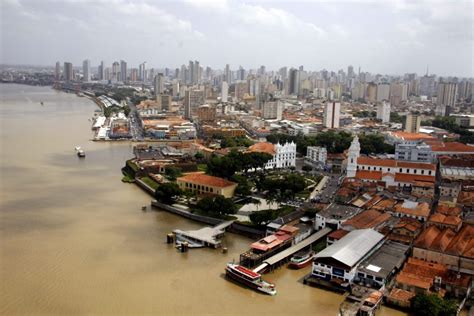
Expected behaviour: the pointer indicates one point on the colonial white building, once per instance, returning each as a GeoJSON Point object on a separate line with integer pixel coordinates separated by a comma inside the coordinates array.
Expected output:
{"type": "Point", "coordinates": [284, 156]}
{"type": "Point", "coordinates": [389, 171]}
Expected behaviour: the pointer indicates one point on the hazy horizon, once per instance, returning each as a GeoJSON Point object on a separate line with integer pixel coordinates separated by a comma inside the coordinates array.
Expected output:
{"type": "Point", "coordinates": [385, 37]}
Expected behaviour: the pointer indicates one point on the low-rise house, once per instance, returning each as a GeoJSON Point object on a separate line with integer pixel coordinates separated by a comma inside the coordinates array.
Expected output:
{"type": "Point", "coordinates": [405, 231]}
{"type": "Point", "coordinates": [335, 215]}
{"type": "Point", "coordinates": [421, 277]}
{"type": "Point", "coordinates": [412, 209]}
{"type": "Point", "coordinates": [445, 221]}
{"type": "Point", "coordinates": [205, 185]}
{"type": "Point", "coordinates": [337, 263]}
{"type": "Point", "coordinates": [335, 235]}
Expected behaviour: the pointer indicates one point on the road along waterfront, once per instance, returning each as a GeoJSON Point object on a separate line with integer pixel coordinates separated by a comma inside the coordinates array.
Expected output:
{"type": "Point", "coordinates": [73, 238]}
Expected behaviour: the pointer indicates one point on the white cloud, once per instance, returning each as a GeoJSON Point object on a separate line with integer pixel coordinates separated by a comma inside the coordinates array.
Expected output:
{"type": "Point", "coordinates": [219, 5]}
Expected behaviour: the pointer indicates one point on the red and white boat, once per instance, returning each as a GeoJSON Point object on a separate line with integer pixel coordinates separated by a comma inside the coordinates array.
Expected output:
{"type": "Point", "coordinates": [249, 278]}
{"type": "Point", "coordinates": [301, 260]}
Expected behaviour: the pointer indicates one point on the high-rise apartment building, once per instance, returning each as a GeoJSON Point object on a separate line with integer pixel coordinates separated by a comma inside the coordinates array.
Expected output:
{"type": "Point", "coordinates": [412, 123]}
{"type": "Point", "coordinates": [57, 71]}
{"type": "Point", "coordinates": [294, 81]}
{"type": "Point", "coordinates": [224, 91]}
{"type": "Point", "coordinates": [383, 111]}
{"type": "Point", "coordinates": [68, 72]}
{"type": "Point", "coordinates": [115, 71]}
{"type": "Point", "coordinates": [273, 110]}
{"type": "Point", "coordinates": [398, 93]}
{"type": "Point", "coordinates": [86, 70]}
{"type": "Point", "coordinates": [331, 115]}
{"type": "Point", "coordinates": [228, 74]}
{"type": "Point", "coordinates": [101, 73]}
{"type": "Point", "coordinates": [383, 92]}
{"type": "Point", "coordinates": [192, 99]}
{"type": "Point", "coordinates": [159, 84]}
{"type": "Point", "coordinates": [142, 72]}
{"type": "Point", "coordinates": [447, 94]}
{"type": "Point", "coordinates": [123, 71]}
{"type": "Point", "coordinates": [427, 85]}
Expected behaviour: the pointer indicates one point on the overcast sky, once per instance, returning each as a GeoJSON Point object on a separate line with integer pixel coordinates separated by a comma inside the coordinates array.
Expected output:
{"type": "Point", "coordinates": [390, 37]}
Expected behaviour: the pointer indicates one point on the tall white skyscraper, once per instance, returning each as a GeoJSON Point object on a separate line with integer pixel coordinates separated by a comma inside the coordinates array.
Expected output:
{"type": "Point", "coordinates": [86, 70]}
{"type": "Point", "coordinates": [227, 74]}
{"type": "Point", "coordinates": [332, 111]}
{"type": "Point", "coordinates": [383, 92]}
{"type": "Point", "coordinates": [142, 71]}
{"type": "Point", "coordinates": [224, 91]}
{"type": "Point", "coordinates": [447, 93]}
{"type": "Point", "coordinates": [383, 111]}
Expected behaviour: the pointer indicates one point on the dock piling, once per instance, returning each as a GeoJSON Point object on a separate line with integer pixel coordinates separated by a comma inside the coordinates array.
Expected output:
{"type": "Point", "coordinates": [169, 238]}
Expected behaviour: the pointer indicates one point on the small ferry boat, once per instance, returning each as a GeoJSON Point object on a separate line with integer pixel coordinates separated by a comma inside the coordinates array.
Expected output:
{"type": "Point", "coordinates": [301, 260]}
{"type": "Point", "coordinates": [80, 152]}
{"type": "Point", "coordinates": [249, 278]}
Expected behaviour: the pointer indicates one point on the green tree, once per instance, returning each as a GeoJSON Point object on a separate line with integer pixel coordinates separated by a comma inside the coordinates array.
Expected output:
{"type": "Point", "coordinates": [261, 218]}
{"type": "Point", "coordinates": [374, 144]}
{"type": "Point", "coordinates": [217, 206]}
{"type": "Point", "coordinates": [307, 168]}
{"type": "Point", "coordinates": [172, 173]}
{"type": "Point", "coordinates": [243, 187]}
{"type": "Point", "coordinates": [199, 155]}
{"type": "Point", "coordinates": [396, 118]}
{"type": "Point", "coordinates": [167, 191]}
{"type": "Point", "coordinates": [433, 305]}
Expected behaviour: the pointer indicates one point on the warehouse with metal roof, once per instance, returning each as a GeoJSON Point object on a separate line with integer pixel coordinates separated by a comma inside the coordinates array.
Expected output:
{"type": "Point", "coordinates": [338, 262]}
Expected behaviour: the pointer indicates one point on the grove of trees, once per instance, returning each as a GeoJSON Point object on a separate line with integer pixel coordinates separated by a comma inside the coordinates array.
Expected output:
{"type": "Point", "coordinates": [216, 206]}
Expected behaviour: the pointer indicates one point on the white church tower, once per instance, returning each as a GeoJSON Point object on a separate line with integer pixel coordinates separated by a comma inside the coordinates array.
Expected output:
{"type": "Point", "coordinates": [354, 153]}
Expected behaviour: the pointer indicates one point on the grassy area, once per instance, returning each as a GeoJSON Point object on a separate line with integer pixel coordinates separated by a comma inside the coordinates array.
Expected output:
{"type": "Point", "coordinates": [127, 178]}
{"type": "Point", "coordinates": [303, 194]}
{"type": "Point", "coordinates": [202, 167]}
{"type": "Point", "coordinates": [150, 182]}
{"type": "Point", "coordinates": [132, 165]}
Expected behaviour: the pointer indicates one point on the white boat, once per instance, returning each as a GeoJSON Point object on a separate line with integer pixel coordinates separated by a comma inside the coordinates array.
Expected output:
{"type": "Point", "coordinates": [249, 278]}
{"type": "Point", "coordinates": [80, 152]}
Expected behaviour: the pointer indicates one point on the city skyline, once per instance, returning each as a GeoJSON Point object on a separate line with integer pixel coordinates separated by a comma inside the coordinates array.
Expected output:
{"type": "Point", "coordinates": [318, 35]}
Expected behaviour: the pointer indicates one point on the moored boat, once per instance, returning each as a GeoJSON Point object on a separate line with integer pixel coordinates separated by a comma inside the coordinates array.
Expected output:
{"type": "Point", "coordinates": [80, 152]}
{"type": "Point", "coordinates": [301, 260]}
{"type": "Point", "coordinates": [249, 278]}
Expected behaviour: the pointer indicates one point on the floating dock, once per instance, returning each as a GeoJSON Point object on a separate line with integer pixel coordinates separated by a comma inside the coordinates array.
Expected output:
{"type": "Point", "coordinates": [204, 237]}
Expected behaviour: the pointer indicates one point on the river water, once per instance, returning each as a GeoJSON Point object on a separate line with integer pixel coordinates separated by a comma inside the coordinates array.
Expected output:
{"type": "Point", "coordinates": [73, 238]}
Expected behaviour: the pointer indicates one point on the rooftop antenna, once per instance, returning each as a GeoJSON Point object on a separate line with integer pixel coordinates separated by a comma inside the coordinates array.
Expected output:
{"type": "Point", "coordinates": [427, 70]}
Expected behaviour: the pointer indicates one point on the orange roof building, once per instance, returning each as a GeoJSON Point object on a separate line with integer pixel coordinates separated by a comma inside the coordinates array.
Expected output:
{"type": "Point", "coordinates": [366, 219]}
{"type": "Point", "coordinates": [446, 246]}
{"type": "Point", "coordinates": [411, 209]}
{"type": "Point", "coordinates": [207, 185]}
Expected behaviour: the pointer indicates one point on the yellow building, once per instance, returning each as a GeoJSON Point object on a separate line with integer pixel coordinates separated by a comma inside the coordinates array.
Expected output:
{"type": "Point", "coordinates": [204, 184]}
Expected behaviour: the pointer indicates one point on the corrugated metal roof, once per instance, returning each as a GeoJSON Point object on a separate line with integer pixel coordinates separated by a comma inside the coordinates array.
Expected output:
{"type": "Point", "coordinates": [353, 247]}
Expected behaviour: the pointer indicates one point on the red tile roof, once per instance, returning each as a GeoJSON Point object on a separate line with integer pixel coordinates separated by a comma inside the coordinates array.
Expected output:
{"type": "Point", "coordinates": [204, 179]}
{"type": "Point", "coordinates": [450, 147]}
{"type": "Point", "coordinates": [338, 234]}
{"type": "Point", "coordinates": [367, 219]}
{"type": "Point", "coordinates": [268, 148]}
{"type": "Point", "coordinates": [422, 209]}
{"type": "Point", "coordinates": [394, 163]}
{"type": "Point", "coordinates": [445, 219]}
{"type": "Point", "coordinates": [369, 175]}
{"type": "Point", "coordinates": [412, 178]}
{"type": "Point", "coordinates": [447, 241]}
{"type": "Point", "coordinates": [412, 136]}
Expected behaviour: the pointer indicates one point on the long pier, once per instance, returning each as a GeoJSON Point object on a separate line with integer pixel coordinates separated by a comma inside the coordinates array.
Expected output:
{"type": "Point", "coordinates": [272, 261]}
